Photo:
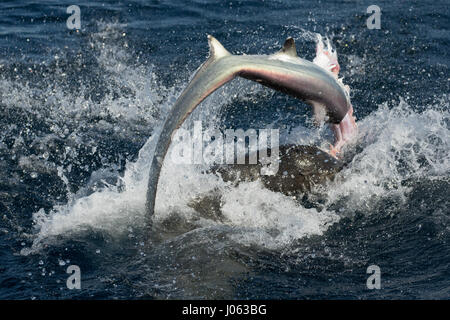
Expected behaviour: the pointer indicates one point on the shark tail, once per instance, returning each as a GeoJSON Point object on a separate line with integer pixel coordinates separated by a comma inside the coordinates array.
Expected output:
{"type": "Point", "coordinates": [210, 76]}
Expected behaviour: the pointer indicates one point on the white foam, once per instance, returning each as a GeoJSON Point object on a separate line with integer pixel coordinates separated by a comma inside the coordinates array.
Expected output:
{"type": "Point", "coordinates": [398, 145]}
{"type": "Point", "coordinates": [271, 219]}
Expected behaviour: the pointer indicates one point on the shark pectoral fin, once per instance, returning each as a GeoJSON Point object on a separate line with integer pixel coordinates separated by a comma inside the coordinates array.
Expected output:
{"type": "Point", "coordinates": [320, 112]}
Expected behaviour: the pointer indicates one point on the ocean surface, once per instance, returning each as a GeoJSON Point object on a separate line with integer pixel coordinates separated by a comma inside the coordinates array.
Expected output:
{"type": "Point", "coordinates": [79, 117]}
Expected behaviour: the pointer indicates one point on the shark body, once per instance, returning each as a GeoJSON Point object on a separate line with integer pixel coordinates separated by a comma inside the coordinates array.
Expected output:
{"type": "Point", "coordinates": [283, 71]}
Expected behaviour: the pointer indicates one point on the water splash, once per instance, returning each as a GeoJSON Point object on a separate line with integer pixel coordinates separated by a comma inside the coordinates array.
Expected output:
{"type": "Point", "coordinates": [395, 145]}
{"type": "Point", "coordinates": [399, 148]}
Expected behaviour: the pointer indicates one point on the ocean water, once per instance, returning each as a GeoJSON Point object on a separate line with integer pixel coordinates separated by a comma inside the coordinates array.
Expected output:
{"type": "Point", "coordinates": [79, 117]}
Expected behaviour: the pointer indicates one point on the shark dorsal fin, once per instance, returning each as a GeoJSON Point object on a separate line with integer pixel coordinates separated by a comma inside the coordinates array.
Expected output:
{"type": "Point", "coordinates": [216, 49]}
{"type": "Point", "coordinates": [289, 48]}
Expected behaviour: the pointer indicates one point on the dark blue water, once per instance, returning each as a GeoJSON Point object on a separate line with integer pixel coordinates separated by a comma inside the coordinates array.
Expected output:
{"type": "Point", "coordinates": [77, 115]}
